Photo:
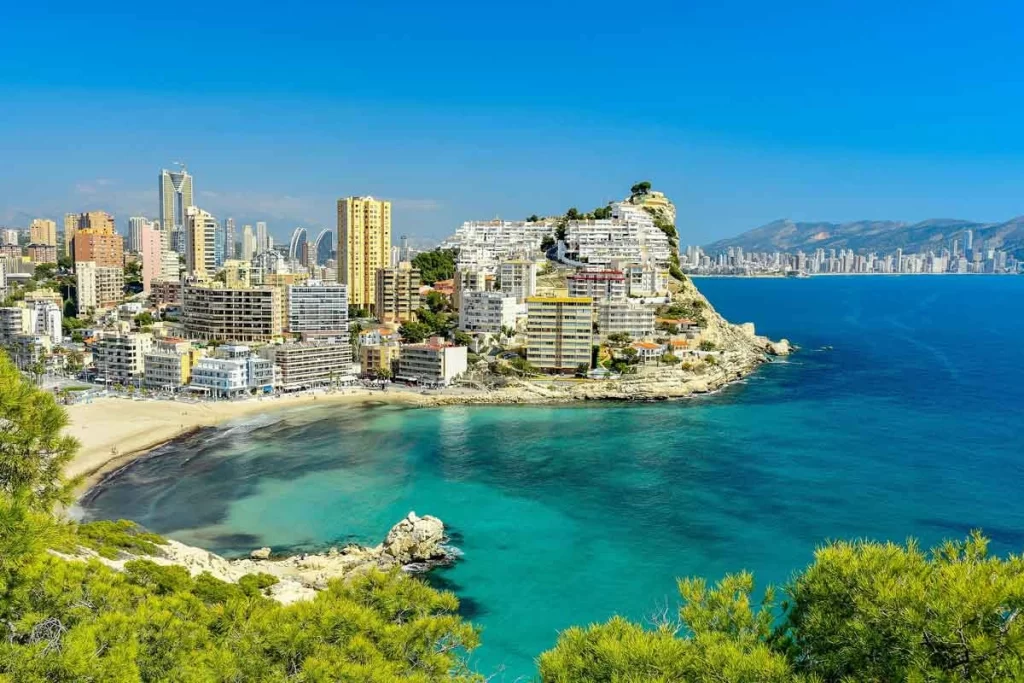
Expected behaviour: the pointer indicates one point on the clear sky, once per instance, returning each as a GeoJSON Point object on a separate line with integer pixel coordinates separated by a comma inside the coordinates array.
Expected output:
{"type": "Point", "coordinates": [742, 112]}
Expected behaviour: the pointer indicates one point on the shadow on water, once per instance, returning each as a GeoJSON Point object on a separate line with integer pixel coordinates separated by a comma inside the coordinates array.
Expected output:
{"type": "Point", "coordinates": [440, 579]}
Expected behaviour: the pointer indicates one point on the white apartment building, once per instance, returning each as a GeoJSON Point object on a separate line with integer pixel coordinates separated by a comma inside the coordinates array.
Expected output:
{"type": "Point", "coordinates": [629, 235]}
{"type": "Point", "coordinates": [232, 372]}
{"type": "Point", "coordinates": [136, 224]}
{"type": "Point", "coordinates": [121, 358]}
{"type": "Point", "coordinates": [170, 265]}
{"type": "Point", "coordinates": [645, 279]}
{"type": "Point", "coordinates": [97, 286]}
{"type": "Point", "coordinates": [482, 245]}
{"type": "Point", "coordinates": [518, 278]}
{"type": "Point", "coordinates": [311, 364]}
{"type": "Point", "coordinates": [559, 332]}
{"type": "Point", "coordinates": [45, 319]}
{"type": "Point", "coordinates": [598, 284]}
{"type": "Point", "coordinates": [467, 281]}
{"type": "Point", "coordinates": [432, 362]}
{"type": "Point", "coordinates": [318, 309]}
{"type": "Point", "coordinates": [625, 316]}
{"type": "Point", "coordinates": [487, 312]}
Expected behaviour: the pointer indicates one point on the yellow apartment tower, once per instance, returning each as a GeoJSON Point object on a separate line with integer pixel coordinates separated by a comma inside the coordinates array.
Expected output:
{"type": "Point", "coordinates": [43, 231]}
{"type": "Point", "coordinates": [364, 245]}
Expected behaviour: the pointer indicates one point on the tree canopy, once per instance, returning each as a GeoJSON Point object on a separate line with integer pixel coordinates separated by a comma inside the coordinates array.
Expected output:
{"type": "Point", "coordinates": [640, 189]}
{"type": "Point", "coordinates": [70, 620]}
{"type": "Point", "coordinates": [435, 265]}
{"type": "Point", "coordinates": [863, 611]}
{"type": "Point", "coordinates": [33, 449]}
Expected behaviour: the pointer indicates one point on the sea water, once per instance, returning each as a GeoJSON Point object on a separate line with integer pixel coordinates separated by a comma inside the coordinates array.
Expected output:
{"type": "Point", "coordinates": [901, 416]}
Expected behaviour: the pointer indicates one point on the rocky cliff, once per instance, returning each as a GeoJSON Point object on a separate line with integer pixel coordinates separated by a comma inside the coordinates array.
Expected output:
{"type": "Point", "coordinates": [414, 544]}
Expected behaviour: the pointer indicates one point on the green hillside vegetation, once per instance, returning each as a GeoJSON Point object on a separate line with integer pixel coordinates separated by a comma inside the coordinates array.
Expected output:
{"type": "Point", "coordinates": [435, 265]}
{"type": "Point", "coordinates": [862, 611]}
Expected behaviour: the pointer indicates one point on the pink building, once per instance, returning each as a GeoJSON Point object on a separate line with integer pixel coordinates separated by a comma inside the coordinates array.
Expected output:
{"type": "Point", "coordinates": [151, 258]}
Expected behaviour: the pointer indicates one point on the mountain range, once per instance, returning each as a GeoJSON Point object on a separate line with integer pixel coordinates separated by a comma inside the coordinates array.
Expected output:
{"type": "Point", "coordinates": [881, 237]}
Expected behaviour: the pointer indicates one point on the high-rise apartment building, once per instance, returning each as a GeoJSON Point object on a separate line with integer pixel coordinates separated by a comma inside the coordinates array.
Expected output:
{"type": "Point", "coordinates": [135, 227]}
{"type": "Point", "coordinates": [310, 363]}
{"type": "Point", "coordinates": [97, 286]}
{"type": "Point", "coordinates": [487, 313]}
{"type": "Point", "coordinates": [364, 245]}
{"type": "Point", "coordinates": [120, 359]}
{"type": "Point", "coordinates": [229, 314]}
{"type": "Point", "coordinates": [152, 253]}
{"type": "Point", "coordinates": [42, 253]}
{"type": "Point", "coordinates": [200, 243]}
{"type": "Point", "coordinates": [43, 231]}
{"type": "Point", "coordinates": [95, 240]}
{"type": "Point", "coordinates": [175, 198]}
{"type": "Point", "coordinates": [248, 243]}
{"type": "Point", "coordinates": [559, 332]}
{"type": "Point", "coordinates": [262, 238]}
{"type": "Point", "coordinates": [518, 278]}
{"type": "Point", "coordinates": [229, 238]}
{"type": "Point", "coordinates": [318, 310]}
{"type": "Point", "coordinates": [397, 292]}
{"type": "Point", "coordinates": [70, 228]}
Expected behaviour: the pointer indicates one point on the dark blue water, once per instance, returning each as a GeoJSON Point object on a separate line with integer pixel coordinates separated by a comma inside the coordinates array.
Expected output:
{"type": "Point", "coordinates": [909, 424]}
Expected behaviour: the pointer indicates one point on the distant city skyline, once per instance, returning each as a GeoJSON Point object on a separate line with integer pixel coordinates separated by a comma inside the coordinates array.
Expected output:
{"type": "Point", "coordinates": [805, 112]}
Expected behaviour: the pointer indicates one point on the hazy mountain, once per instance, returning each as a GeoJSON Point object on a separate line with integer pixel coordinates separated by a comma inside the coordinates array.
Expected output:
{"type": "Point", "coordinates": [877, 236]}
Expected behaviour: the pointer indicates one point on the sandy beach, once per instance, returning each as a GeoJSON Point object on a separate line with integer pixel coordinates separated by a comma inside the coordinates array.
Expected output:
{"type": "Point", "coordinates": [114, 430]}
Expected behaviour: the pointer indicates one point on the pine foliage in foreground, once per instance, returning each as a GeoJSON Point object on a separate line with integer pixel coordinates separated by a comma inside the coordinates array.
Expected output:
{"type": "Point", "coordinates": [862, 612]}
{"type": "Point", "coordinates": [68, 620]}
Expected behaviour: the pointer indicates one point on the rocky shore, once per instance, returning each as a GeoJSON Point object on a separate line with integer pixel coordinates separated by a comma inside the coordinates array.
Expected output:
{"type": "Point", "coordinates": [415, 544]}
{"type": "Point", "coordinates": [738, 351]}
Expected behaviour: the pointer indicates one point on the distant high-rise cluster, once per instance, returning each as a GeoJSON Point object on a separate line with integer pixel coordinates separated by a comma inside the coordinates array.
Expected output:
{"type": "Point", "coordinates": [960, 256]}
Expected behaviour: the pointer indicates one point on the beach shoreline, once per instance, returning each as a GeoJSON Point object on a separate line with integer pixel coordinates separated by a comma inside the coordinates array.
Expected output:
{"type": "Point", "coordinates": [114, 431]}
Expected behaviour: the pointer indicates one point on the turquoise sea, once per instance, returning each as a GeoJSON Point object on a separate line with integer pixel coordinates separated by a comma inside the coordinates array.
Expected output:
{"type": "Point", "coordinates": [902, 416]}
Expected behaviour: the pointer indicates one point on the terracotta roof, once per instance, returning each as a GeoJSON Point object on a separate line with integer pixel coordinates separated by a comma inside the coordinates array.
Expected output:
{"type": "Point", "coordinates": [645, 345]}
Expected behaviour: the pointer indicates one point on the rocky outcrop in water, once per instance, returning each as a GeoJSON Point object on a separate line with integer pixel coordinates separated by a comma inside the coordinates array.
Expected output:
{"type": "Point", "coordinates": [415, 544]}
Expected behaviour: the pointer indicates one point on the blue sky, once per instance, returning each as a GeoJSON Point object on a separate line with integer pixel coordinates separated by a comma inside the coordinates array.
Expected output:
{"type": "Point", "coordinates": [743, 112]}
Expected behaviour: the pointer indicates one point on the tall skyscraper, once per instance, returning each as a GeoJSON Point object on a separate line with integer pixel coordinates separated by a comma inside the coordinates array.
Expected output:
{"type": "Point", "coordinates": [200, 242]}
{"type": "Point", "coordinates": [229, 238]}
{"type": "Point", "coordinates": [248, 244]}
{"type": "Point", "coordinates": [43, 231]}
{"type": "Point", "coordinates": [262, 239]}
{"type": "Point", "coordinates": [297, 246]}
{"type": "Point", "coordinates": [151, 251]}
{"type": "Point", "coordinates": [70, 228]}
{"type": "Point", "coordinates": [969, 242]}
{"type": "Point", "coordinates": [364, 245]}
{"type": "Point", "coordinates": [135, 227]}
{"type": "Point", "coordinates": [175, 198]}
